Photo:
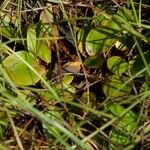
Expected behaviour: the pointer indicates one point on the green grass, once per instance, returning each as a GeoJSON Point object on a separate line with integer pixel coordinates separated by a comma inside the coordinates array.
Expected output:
{"type": "Point", "coordinates": [57, 90]}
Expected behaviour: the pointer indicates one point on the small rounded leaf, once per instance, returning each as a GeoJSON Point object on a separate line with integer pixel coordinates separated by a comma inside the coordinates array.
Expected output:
{"type": "Point", "coordinates": [94, 42]}
{"type": "Point", "coordinates": [98, 39]}
{"type": "Point", "coordinates": [112, 86]}
{"type": "Point", "coordinates": [72, 67]}
{"type": "Point", "coordinates": [117, 65]}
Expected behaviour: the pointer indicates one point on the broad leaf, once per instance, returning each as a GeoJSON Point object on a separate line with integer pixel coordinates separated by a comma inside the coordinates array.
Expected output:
{"type": "Point", "coordinates": [128, 123]}
{"type": "Point", "coordinates": [64, 88]}
{"type": "Point", "coordinates": [43, 51]}
{"type": "Point", "coordinates": [137, 64]}
{"type": "Point", "coordinates": [82, 35]}
{"type": "Point", "coordinates": [19, 72]}
{"type": "Point", "coordinates": [98, 39]}
{"type": "Point", "coordinates": [67, 79]}
{"type": "Point", "coordinates": [117, 65]}
{"type": "Point", "coordinates": [93, 61]}
{"type": "Point", "coordinates": [112, 86]}
{"type": "Point", "coordinates": [32, 39]}
{"type": "Point", "coordinates": [89, 99]}
{"type": "Point", "coordinates": [38, 47]}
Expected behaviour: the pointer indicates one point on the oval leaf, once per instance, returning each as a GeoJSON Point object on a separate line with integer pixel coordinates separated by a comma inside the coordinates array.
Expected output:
{"type": "Point", "coordinates": [31, 39]}
{"type": "Point", "coordinates": [67, 79]}
{"type": "Point", "coordinates": [19, 72]}
{"type": "Point", "coordinates": [96, 40]}
{"type": "Point", "coordinates": [127, 123]}
{"type": "Point", "coordinates": [82, 35]}
{"type": "Point", "coordinates": [117, 65]}
{"type": "Point", "coordinates": [43, 51]}
{"type": "Point", "coordinates": [112, 86]}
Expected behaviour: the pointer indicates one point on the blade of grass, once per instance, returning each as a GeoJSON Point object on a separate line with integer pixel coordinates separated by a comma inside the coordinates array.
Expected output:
{"type": "Point", "coordinates": [142, 55]}
{"type": "Point", "coordinates": [54, 93]}
{"type": "Point", "coordinates": [140, 6]}
{"type": "Point", "coordinates": [134, 11]}
{"type": "Point", "coordinates": [125, 25]}
{"type": "Point", "coordinates": [24, 104]}
{"type": "Point", "coordinates": [115, 118]}
{"type": "Point", "coordinates": [138, 138]}
{"type": "Point", "coordinates": [14, 130]}
{"type": "Point", "coordinates": [78, 54]}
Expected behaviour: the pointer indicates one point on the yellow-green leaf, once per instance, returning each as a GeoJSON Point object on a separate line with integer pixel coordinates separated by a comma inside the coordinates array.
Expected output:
{"type": "Point", "coordinates": [32, 39]}
{"type": "Point", "coordinates": [128, 123]}
{"type": "Point", "coordinates": [117, 65]}
{"type": "Point", "coordinates": [19, 72]}
{"type": "Point", "coordinates": [112, 86]}
{"type": "Point", "coordinates": [43, 51]}
{"type": "Point", "coordinates": [98, 39]}
{"type": "Point", "coordinates": [93, 61]}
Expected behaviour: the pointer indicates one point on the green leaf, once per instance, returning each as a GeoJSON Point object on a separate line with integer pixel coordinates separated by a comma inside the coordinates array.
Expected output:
{"type": "Point", "coordinates": [82, 35]}
{"type": "Point", "coordinates": [47, 96]}
{"type": "Point", "coordinates": [111, 86]}
{"type": "Point", "coordinates": [66, 83]}
{"type": "Point", "coordinates": [126, 15]}
{"type": "Point", "coordinates": [32, 39]}
{"type": "Point", "coordinates": [94, 61]}
{"type": "Point", "coordinates": [98, 39]}
{"type": "Point", "coordinates": [95, 41]}
{"type": "Point", "coordinates": [89, 99]}
{"type": "Point", "coordinates": [64, 88]}
{"type": "Point", "coordinates": [124, 43]}
{"type": "Point", "coordinates": [19, 72]}
{"type": "Point", "coordinates": [43, 51]}
{"type": "Point", "coordinates": [3, 147]}
{"type": "Point", "coordinates": [4, 18]}
{"type": "Point", "coordinates": [136, 64]}
{"type": "Point", "coordinates": [128, 123]}
{"type": "Point", "coordinates": [117, 65]}
{"type": "Point", "coordinates": [117, 109]}
{"type": "Point", "coordinates": [38, 47]}
{"type": "Point", "coordinates": [67, 79]}
{"type": "Point", "coordinates": [3, 48]}
{"type": "Point", "coordinates": [6, 31]}
{"type": "Point", "coordinates": [112, 30]}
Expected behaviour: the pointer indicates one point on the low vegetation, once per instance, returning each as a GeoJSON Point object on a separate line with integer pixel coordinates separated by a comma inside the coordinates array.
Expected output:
{"type": "Point", "coordinates": [74, 74]}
